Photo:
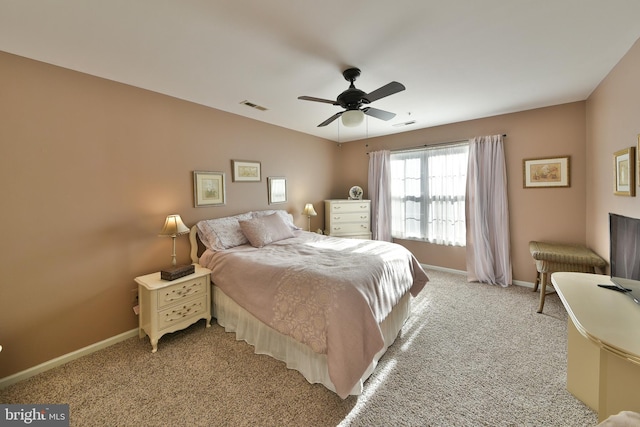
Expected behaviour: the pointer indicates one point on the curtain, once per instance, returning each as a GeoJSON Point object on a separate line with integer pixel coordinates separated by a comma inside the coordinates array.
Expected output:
{"type": "Point", "coordinates": [380, 194]}
{"type": "Point", "coordinates": [488, 246]}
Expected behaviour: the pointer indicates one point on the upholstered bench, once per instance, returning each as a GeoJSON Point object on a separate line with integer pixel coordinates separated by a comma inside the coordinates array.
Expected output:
{"type": "Point", "coordinates": [552, 257]}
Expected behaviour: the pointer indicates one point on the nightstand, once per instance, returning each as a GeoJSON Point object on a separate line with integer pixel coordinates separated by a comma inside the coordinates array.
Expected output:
{"type": "Point", "coordinates": [169, 306]}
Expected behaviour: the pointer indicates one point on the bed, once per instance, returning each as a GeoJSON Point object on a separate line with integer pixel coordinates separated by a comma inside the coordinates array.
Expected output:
{"type": "Point", "coordinates": [328, 307]}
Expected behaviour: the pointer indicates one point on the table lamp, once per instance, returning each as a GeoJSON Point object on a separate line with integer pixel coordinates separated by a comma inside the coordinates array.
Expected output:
{"type": "Point", "coordinates": [309, 212]}
{"type": "Point", "coordinates": [173, 227]}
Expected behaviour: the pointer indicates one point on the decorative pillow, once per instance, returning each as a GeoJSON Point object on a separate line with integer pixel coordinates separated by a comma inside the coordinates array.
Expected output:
{"type": "Point", "coordinates": [265, 229]}
{"type": "Point", "coordinates": [286, 216]}
{"type": "Point", "coordinates": [223, 233]}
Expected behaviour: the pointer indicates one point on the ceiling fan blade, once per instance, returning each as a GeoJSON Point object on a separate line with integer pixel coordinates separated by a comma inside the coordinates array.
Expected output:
{"type": "Point", "coordinates": [311, 98]}
{"type": "Point", "coordinates": [330, 119]}
{"type": "Point", "coordinates": [386, 90]}
{"type": "Point", "coordinates": [378, 114]}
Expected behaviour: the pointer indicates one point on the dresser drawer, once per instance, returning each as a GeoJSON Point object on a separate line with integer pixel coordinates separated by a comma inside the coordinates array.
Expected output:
{"type": "Point", "coordinates": [349, 207]}
{"type": "Point", "coordinates": [350, 217]}
{"type": "Point", "coordinates": [181, 312]}
{"type": "Point", "coordinates": [347, 228]}
{"type": "Point", "coordinates": [182, 291]}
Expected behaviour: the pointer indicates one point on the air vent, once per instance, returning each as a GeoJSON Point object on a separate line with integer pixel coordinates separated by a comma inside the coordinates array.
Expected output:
{"type": "Point", "coordinates": [409, 123]}
{"type": "Point", "coordinates": [252, 105]}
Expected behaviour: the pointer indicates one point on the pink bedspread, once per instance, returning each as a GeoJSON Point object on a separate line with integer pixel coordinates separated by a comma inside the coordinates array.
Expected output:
{"type": "Point", "coordinates": [329, 293]}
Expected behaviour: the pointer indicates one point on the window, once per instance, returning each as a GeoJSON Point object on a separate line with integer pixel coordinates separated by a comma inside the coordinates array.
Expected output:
{"type": "Point", "coordinates": [428, 189]}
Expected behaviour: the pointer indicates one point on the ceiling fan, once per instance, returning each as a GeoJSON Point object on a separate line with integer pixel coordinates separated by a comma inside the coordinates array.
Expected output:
{"type": "Point", "coordinates": [353, 99]}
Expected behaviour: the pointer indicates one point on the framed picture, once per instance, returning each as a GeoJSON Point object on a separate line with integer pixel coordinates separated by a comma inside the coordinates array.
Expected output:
{"type": "Point", "coordinates": [208, 189]}
{"type": "Point", "coordinates": [277, 189]}
{"type": "Point", "coordinates": [247, 171]}
{"type": "Point", "coordinates": [546, 172]}
{"type": "Point", "coordinates": [624, 162]}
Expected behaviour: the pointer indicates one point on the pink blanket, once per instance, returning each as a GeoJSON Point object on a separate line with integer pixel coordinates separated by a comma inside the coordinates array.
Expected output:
{"type": "Point", "coordinates": [329, 293]}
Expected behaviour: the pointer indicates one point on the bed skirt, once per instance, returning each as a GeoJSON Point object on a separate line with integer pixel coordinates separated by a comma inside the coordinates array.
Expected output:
{"type": "Point", "coordinates": [312, 365]}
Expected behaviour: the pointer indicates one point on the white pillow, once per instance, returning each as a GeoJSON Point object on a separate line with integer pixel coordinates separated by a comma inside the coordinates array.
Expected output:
{"type": "Point", "coordinates": [222, 233]}
{"type": "Point", "coordinates": [263, 230]}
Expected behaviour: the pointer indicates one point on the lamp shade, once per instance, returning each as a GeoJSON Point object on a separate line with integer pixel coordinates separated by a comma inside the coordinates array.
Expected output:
{"type": "Point", "coordinates": [308, 210]}
{"type": "Point", "coordinates": [352, 118]}
{"type": "Point", "coordinates": [173, 226]}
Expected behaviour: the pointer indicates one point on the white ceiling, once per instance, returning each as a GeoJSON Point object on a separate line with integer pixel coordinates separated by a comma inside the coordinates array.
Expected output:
{"type": "Point", "coordinates": [459, 59]}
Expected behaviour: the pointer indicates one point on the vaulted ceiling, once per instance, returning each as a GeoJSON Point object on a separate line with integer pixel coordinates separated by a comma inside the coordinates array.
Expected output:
{"type": "Point", "coordinates": [459, 59]}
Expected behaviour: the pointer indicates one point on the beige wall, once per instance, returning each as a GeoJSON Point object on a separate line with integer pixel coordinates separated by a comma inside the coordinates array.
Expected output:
{"type": "Point", "coordinates": [613, 123]}
{"type": "Point", "coordinates": [551, 214]}
{"type": "Point", "coordinates": [89, 170]}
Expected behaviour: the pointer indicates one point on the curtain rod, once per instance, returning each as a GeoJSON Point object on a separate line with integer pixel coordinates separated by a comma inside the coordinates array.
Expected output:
{"type": "Point", "coordinates": [504, 135]}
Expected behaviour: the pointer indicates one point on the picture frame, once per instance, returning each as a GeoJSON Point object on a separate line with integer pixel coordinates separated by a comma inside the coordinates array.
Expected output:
{"type": "Point", "coordinates": [638, 161]}
{"type": "Point", "coordinates": [547, 172]}
{"type": "Point", "coordinates": [624, 172]}
{"type": "Point", "coordinates": [246, 171]}
{"type": "Point", "coordinates": [277, 186]}
{"type": "Point", "coordinates": [208, 189]}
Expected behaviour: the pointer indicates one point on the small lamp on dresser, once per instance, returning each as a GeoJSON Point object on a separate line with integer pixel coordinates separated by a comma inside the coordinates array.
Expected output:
{"type": "Point", "coordinates": [309, 212]}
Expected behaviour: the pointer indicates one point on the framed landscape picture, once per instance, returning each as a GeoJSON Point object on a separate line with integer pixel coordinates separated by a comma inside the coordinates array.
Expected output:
{"type": "Point", "coordinates": [546, 172]}
{"type": "Point", "coordinates": [245, 170]}
{"type": "Point", "coordinates": [208, 189]}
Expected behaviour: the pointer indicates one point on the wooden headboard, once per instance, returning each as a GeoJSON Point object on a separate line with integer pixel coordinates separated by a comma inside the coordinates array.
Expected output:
{"type": "Point", "coordinates": [197, 248]}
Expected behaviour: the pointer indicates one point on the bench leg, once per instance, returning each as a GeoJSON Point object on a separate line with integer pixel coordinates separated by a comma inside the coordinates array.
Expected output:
{"type": "Point", "coordinates": [535, 285]}
{"type": "Point", "coordinates": [543, 290]}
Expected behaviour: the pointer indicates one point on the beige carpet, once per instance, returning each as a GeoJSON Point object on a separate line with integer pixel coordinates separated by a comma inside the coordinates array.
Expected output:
{"type": "Point", "coordinates": [470, 355]}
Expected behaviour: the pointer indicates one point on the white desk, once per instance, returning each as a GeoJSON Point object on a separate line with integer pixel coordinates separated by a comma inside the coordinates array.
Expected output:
{"type": "Point", "coordinates": [603, 343]}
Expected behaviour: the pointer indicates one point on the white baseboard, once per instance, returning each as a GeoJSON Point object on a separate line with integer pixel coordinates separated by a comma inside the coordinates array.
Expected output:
{"type": "Point", "coordinates": [50, 364]}
{"type": "Point", "coordinates": [463, 273]}
{"type": "Point", "coordinates": [445, 269]}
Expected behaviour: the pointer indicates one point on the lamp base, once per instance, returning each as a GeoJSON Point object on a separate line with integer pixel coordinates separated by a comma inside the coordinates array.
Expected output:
{"type": "Point", "coordinates": [177, 271]}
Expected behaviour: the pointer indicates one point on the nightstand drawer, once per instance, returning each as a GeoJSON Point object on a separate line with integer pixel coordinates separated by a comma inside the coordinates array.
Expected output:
{"type": "Point", "coordinates": [350, 217]}
{"type": "Point", "coordinates": [181, 312]}
{"type": "Point", "coordinates": [181, 291]}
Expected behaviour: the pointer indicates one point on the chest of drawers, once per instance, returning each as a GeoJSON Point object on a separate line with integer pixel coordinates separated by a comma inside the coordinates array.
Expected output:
{"type": "Point", "coordinates": [170, 306]}
{"type": "Point", "coordinates": [348, 218]}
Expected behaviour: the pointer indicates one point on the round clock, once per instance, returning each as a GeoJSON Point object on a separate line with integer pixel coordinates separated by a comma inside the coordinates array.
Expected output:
{"type": "Point", "coordinates": [355, 193]}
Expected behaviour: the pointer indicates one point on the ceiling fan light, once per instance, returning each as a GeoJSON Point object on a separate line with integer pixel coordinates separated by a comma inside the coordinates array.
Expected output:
{"type": "Point", "coordinates": [352, 118]}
